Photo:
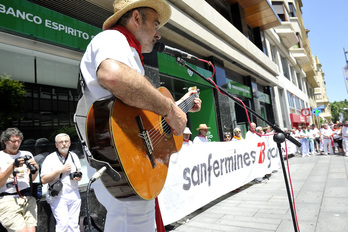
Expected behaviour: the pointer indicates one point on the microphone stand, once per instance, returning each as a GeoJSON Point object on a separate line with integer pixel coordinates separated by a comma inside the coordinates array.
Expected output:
{"type": "Point", "coordinates": [278, 138]}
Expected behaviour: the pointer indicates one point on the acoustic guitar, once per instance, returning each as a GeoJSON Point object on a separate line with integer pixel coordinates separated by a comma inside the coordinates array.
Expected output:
{"type": "Point", "coordinates": [137, 143]}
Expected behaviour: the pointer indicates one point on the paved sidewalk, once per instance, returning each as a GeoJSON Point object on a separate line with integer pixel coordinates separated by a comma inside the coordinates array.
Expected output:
{"type": "Point", "coordinates": [320, 186]}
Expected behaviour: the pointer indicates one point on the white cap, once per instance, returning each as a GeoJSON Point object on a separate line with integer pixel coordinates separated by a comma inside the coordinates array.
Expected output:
{"type": "Point", "coordinates": [187, 131]}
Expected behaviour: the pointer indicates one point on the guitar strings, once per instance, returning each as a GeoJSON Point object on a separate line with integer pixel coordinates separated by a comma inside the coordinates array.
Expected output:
{"type": "Point", "coordinates": [155, 135]}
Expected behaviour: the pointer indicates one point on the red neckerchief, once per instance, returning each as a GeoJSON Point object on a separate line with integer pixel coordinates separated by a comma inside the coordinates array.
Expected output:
{"type": "Point", "coordinates": [186, 140]}
{"type": "Point", "coordinates": [133, 42]}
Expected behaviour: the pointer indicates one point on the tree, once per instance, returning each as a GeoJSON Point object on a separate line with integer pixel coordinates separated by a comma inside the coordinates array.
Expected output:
{"type": "Point", "coordinates": [337, 108]}
{"type": "Point", "coordinates": [12, 94]}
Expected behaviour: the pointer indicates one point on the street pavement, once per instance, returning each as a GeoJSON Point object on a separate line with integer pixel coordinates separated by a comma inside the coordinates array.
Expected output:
{"type": "Point", "coordinates": [320, 187]}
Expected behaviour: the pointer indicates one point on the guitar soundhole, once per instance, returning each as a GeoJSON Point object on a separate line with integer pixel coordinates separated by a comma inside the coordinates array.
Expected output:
{"type": "Point", "coordinates": [166, 130]}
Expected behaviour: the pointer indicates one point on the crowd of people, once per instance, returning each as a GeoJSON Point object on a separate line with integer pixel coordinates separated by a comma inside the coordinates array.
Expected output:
{"type": "Point", "coordinates": [329, 139]}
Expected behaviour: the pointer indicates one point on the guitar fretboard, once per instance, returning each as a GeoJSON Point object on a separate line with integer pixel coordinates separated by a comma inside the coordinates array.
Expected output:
{"type": "Point", "coordinates": [187, 104]}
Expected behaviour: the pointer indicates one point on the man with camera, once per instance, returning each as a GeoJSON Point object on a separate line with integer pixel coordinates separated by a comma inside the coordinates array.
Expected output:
{"type": "Point", "coordinates": [18, 210]}
{"type": "Point", "coordinates": [62, 171]}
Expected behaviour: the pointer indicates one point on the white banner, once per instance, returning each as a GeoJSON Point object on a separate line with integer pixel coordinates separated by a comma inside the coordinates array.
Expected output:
{"type": "Point", "coordinates": [199, 174]}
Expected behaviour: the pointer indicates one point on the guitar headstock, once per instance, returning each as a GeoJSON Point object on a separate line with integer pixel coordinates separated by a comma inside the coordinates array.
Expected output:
{"type": "Point", "coordinates": [194, 88]}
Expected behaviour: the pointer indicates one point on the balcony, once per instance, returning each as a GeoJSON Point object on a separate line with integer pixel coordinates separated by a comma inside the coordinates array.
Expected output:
{"type": "Point", "coordinates": [311, 75]}
{"type": "Point", "coordinates": [258, 13]}
{"type": "Point", "coordinates": [287, 34]}
{"type": "Point", "coordinates": [300, 55]}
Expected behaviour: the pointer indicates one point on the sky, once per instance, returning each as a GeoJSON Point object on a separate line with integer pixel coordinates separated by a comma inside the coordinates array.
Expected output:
{"type": "Point", "coordinates": [328, 36]}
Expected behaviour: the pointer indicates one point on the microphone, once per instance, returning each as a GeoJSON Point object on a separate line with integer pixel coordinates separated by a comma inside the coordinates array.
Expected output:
{"type": "Point", "coordinates": [98, 174]}
{"type": "Point", "coordinates": [160, 47]}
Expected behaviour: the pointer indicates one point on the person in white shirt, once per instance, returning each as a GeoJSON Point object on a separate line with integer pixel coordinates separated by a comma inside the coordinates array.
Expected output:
{"type": "Point", "coordinates": [186, 136]}
{"type": "Point", "coordinates": [327, 137]}
{"type": "Point", "coordinates": [251, 132]}
{"type": "Point", "coordinates": [304, 138]}
{"type": "Point", "coordinates": [316, 138]}
{"type": "Point", "coordinates": [202, 134]}
{"type": "Point", "coordinates": [345, 137]}
{"type": "Point", "coordinates": [113, 66]}
{"type": "Point", "coordinates": [18, 208]}
{"type": "Point", "coordinates": [65, 166]}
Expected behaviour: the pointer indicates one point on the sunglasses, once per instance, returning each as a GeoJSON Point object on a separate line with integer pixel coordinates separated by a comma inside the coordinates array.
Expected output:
{"type": "Point", "coordinates": [237, 131]}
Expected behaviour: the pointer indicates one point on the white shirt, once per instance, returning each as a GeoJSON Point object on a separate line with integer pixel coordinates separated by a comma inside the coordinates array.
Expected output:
{"type": "Point", "coordinates": [251, 135]}
{"type": "Point", "coordinates": [22, 172]}
{"type": "Point", "coordinates": [326, 133]}
{"type": "Point", "coordinates": [186, 144]}
{"type": "Point", "coordinates": [315, 132]}
{"type": "Point", "coordinates": [107, 44]}
{"type": "Point", "coordinates": [345, 132]}
{"type": "Point", "coordinates": [52, 163]}
{"type": "Point", "coordinates": [111, 44]}
{"type": "Point", "coordinates": [200, 139]}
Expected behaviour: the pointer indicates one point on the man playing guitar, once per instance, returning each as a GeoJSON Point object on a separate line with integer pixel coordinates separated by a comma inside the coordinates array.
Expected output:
{"type": "Point", "coordinates": [112, 66]}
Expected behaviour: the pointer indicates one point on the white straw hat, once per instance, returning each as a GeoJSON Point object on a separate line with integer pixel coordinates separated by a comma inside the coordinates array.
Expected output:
{"type": "Point", "coordinates": [122, 6]}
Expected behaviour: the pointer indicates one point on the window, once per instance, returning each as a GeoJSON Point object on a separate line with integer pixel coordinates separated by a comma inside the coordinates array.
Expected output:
{"type": "Point", "coordinates": [264, 44]}
{"type": "Point", "coordinates": [299, 81]}
{"type": "Point", "coordinates": [302, 105]}
{"type": "Point", "coordinates": [251, 34]}
{"type": "Point", "coordinates": [281, 11]}
{"type": "Point", "coordinates": [293, 76]}
{"type": "Point", "coordinates": [222, 7]}
{"type": "Point", "coordinates": [292, 12]}
{"type": "Point", "coordinates": [297, 103]}
{"type": "Point", "coordinates": [291, 101]}
{"type": "Point", "coordinates": [299, 43]}
{"type": "Point", "coordinates": [285, 67]}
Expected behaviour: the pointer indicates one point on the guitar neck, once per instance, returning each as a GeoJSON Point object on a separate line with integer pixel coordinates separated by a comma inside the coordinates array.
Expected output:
{"type": "Point", "coordinates": [187, 104]}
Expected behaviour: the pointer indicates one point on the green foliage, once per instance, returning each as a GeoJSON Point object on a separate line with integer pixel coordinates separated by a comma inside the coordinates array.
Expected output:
{"type": "Point", "coordinates": [70, 130]}
{"type": "Point", "coordinates": [12, 94]}
{"type": "Point", "coordinates": [339, 107]}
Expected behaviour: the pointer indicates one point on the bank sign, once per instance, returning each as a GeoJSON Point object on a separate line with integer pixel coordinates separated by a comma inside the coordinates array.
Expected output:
{"type": "Point", "coordinates": [33, 21]}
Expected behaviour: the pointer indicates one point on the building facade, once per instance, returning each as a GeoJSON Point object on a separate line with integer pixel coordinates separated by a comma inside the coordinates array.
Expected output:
{"type": "Point", "coordinates": [260, 50]}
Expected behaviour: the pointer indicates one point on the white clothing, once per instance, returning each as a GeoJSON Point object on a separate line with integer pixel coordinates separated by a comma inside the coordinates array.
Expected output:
{"type": "Point", "coordinates": [315, 132]}
{"type": "Point", "coordinates": [304, 135]}
{"type": "Point", "coordinates": [345, 139]}
{"type": "Point", "coordinates": [66, 205]}
{"type": "Point", "coordinates": [326, 133]}
{"type": "Point", "coordinates": [186, 144]}
{"type": "Point", "coordinates": [22, 172]}
{"type": "Point", "coordinates": [132, 213]}
{"type": "Point", "coordinates": [200, 139]}
{"type": "Point", "coordinates": [66, 211]}
{"type": "Point", "coordinates": [251, 135]}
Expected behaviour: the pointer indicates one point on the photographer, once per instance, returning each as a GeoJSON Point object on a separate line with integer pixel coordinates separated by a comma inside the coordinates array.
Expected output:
{"type": "Point", "coordinates": [18, 210]}
{"type": "Point", "coordinates": [62, 171]}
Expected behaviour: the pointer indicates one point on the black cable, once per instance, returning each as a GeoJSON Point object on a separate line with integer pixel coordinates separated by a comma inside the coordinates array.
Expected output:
{"type": "Point", "coordinates": [87, 205]}
{"type": "Point", "coordinates": [96, 176]}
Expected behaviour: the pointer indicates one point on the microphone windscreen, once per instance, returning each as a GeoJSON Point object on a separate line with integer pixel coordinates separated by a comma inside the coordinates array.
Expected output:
{"type": "Point", "coordinates": [158, 47]}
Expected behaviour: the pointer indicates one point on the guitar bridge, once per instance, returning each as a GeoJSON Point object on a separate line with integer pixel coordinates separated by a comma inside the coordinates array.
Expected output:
{"type": "Point", "coordinates": [144, 134]}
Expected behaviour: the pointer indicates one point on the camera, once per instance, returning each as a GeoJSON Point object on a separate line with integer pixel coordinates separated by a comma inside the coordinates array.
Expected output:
{"type": "Point", "coordinates": [31, 167]}
{"type": "Point", "coordinates": [75, 174]}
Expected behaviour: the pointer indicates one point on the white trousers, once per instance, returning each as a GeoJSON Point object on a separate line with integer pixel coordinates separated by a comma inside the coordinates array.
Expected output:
{"type": "Point", "coordinates": [305, 146]}
{"type": "Point", "coordinates": [127, 215]}
{"type": "Point", "coordinates": [66, 211]}
{"type": "Point", "coordinates": [345, 144]}
{"type": "Point", "coordinates": [327, 144]}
